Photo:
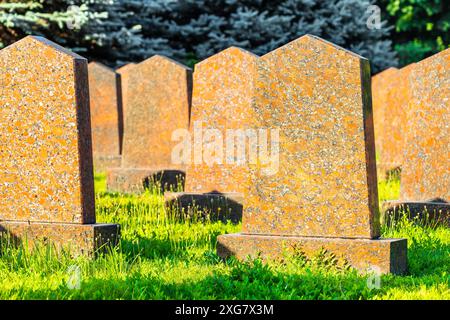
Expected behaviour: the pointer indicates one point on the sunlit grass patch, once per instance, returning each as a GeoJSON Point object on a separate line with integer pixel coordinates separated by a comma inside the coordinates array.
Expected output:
{"type": "Point", "coordinates": [164, 255]}
{"type": "Point", "coordinates": [389, 189]}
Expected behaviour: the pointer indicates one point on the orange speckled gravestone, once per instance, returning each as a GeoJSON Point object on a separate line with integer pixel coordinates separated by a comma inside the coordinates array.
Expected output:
{"type": "Point", "coordinates": [381, 87]}
{"type": "Point", "coordinates": [157, 104]}
{"type": "Point", "coordinates": [124, 73]}
{"type": "Point", "coordinates": [324, 194]}
{"type": "Point", "coordinates": [391, 92]}
{"type": "Point", "coordinates": [222, 100]}
{"type": "Point", "coordinates": [106, 116]}
{"type": "Point", "coordinates": [46, 178]}
{"type": "Point", "coordinates": [425, 178]}
{"type": "Point", "coordinates": [395, 120]}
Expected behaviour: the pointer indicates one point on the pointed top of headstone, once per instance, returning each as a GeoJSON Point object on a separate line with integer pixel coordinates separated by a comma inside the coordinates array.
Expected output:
{"type": "Point", "coordinates": [386, 73]}
{"type": "Point", "coordinates": [157, 59]}
{"type": "Point", "coordinates": [312, 42]}
{"type": "Point", "coordinates": [125, 68]}
{"type": "Point", "coordinates": [100, 67]}
{"type": "Point", "coordinates": [231, 51]}
{"type": "Point", "coordinates": [37, 41]}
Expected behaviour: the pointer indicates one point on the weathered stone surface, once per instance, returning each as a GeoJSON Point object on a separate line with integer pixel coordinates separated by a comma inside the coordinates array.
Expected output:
{"type": "Point", "coordinates": [124, 73]}
{"type": "Point", "coordinates": [389, 255]}
{"type": "Point", "coordinates": [222, 100]}
{"type": "Point", "coordinates": [319, 96]}
{"type": "Point", "coordinates": [158, 102]}
{"type": "Point", "coordinates": [324, 194]}
{"type": "Point", "coordinates": [426, 175]}
{"type": "Point", "coordinates": [46, 167]}
{"type": "Point", "coordinates": [381, 86]}
{"type": "Point", "coordinates": [395, 120]}
{"type": "Point", "coordinates": [46, 173]}
{"type": "Point", "coordinates": [425, 187]}
{"type": "Point", "coordinates": [391, 95]}
{"type": "Point", "coordinates": [106, 116]}
{"type": "Point", "coordinates": [159, 99]}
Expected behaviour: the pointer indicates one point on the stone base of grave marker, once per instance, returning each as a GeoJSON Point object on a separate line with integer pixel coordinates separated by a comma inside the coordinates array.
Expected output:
{"type": "Point", "coordinates": [131, 180]}
{"type": "Point", "coordinates": [103, 163]}
{"type": "Point", "coordinates": [421, 211]}
{"type": "Point", "coordinates": [84, 239]}
{"type": "Point", "coordinates": [387, 255]}
{"type": "Point", "coordinates": [218, 206]}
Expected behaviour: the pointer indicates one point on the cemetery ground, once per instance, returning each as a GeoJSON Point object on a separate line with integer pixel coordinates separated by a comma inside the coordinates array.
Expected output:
{"type": "Point", "coordinates": [162, 256]}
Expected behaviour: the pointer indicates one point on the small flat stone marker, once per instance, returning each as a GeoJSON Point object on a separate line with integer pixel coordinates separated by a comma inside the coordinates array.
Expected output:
{"type": "Point", "coordinates": [46, 175]}
{"type": "Point", "coordinates": [425, 177]}
{"type": "Point", "coordinates": [106, 116]}
{"type": "Point", "coordinates": [222, 100]}
{"type": "Point", "coordinates": [324, 194]}
{"type": "Point", "coordinates": [157, 103]}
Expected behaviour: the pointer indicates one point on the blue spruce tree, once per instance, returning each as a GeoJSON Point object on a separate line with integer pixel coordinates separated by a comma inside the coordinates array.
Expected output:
{"type": "Point", "coordinates": [120, 31]}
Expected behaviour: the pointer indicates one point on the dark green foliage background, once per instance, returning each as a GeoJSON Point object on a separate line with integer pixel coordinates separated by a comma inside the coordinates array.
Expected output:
{"type": "Point", "coordinates": [422, 27]}
{"type": "Point", "coordinates": [116, 32]}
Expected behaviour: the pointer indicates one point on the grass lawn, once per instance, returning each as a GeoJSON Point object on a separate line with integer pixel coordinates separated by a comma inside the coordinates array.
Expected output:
{"type": "Point", "coordinates": [163, 257]}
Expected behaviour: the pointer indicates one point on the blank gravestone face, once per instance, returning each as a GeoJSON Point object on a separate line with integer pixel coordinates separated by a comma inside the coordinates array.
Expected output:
{"type": "Point", "coordinates": [106, 116]}
{"type": "Point", "coordinates": [222, 100]}
{"type": "Point", "coordinates": [45, 145]}
{"type": "Point", "coordinates": [46, 178]}
{"type": "Point", "coordinates": [157, 105]}
{"type": "Point", "coordinates": [426, 174]}
{"type": "Point", "coordinates": [326, 184]}
{"type": "Point", "coordinates": [324, 194]}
